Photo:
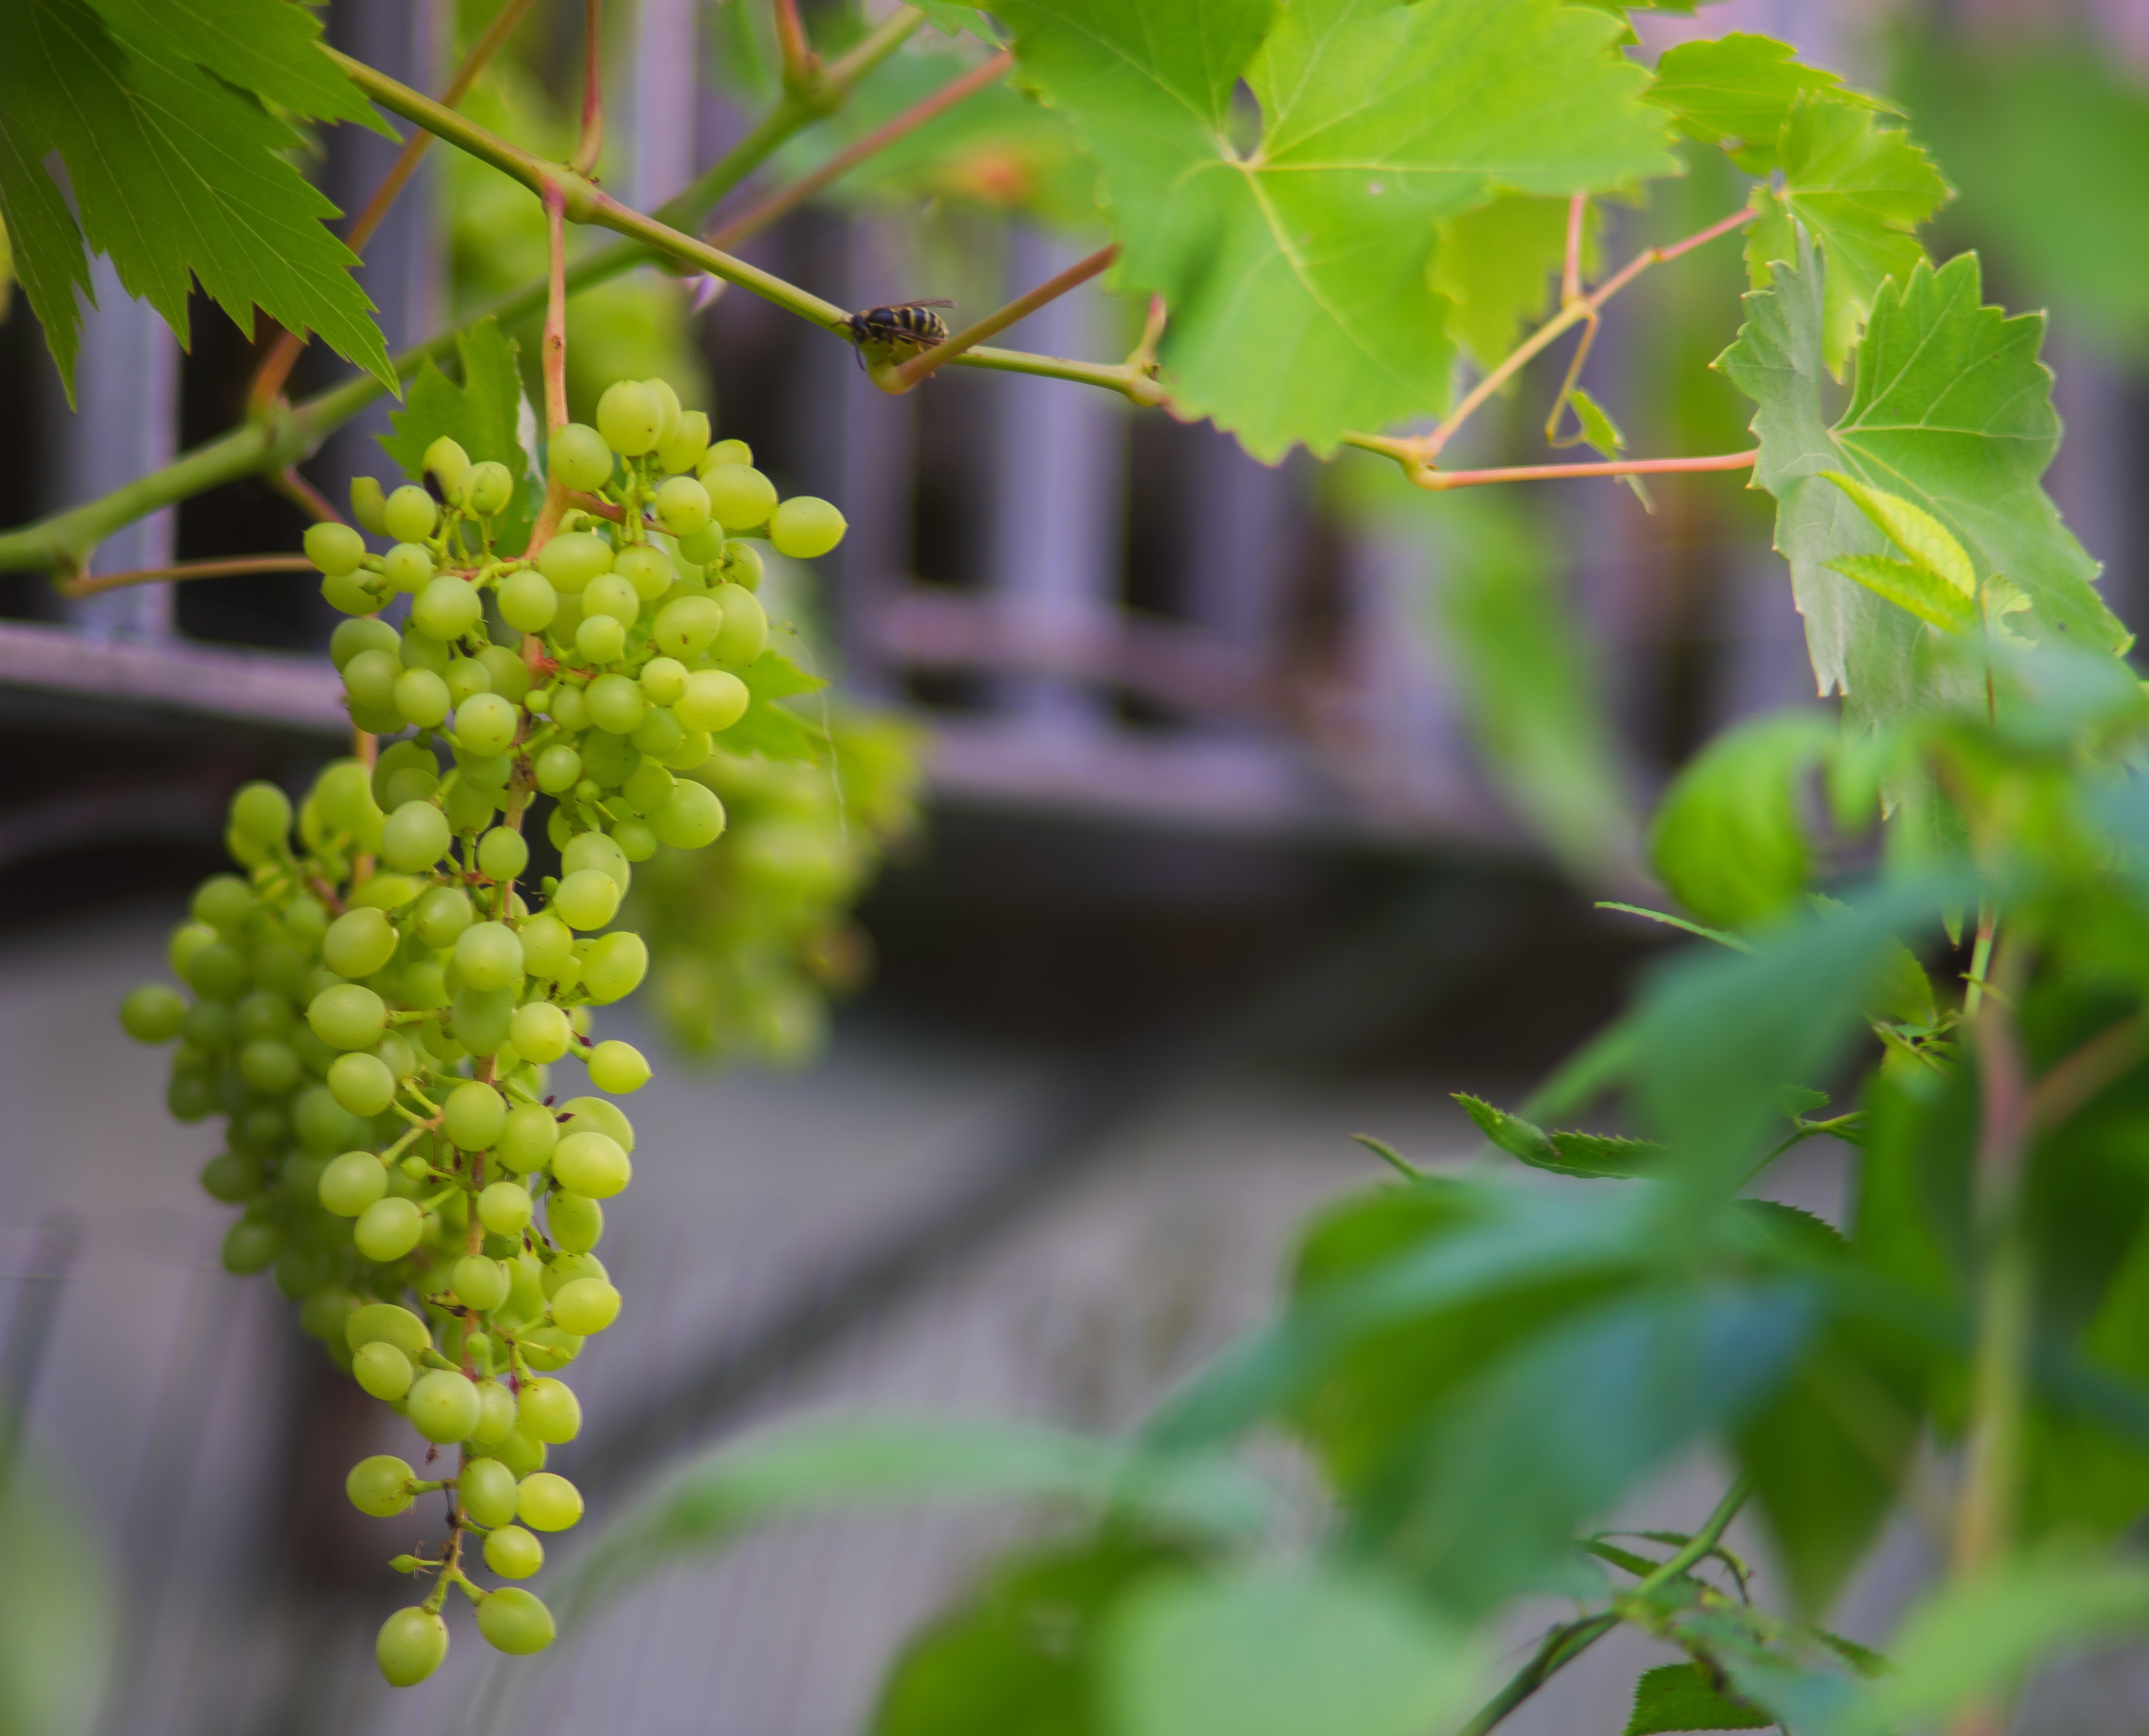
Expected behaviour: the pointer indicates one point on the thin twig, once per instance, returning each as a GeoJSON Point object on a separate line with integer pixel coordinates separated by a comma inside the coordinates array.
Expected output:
{"type": "Point", "coordinates": [309, 499]}
{"type": "Point", "coordinates": [903, 378]}
{"type": "Point", "coordinates": [2071, 1081]}
{"type": "Point", "coordinates": [1570, 277]}
{"type": "Point", "coordinates": [592, 145]}
{"type": "Point", "coordinates": [1432, 477]}
{"type": "Point", "coordinates": [87, 586]}
{"type": "Point", "coordinates": [553, 346]}
{"type": "Point", "coordinates": [799, 60]}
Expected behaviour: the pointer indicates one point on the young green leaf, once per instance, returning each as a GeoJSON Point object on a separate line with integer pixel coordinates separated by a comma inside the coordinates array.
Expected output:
{"type": "Point", "coordinates": [1918, 589]}
{"type": "Point", "coordinates": [1860, 190]}
{"type": "Point", "coordinates": [774, 730]}
{"type": "Point", "coordinates": [1681, 1697]}
{"type": "Point", "coordinates": [267, 47]}
{"type": "Point", "coordinates": [1728, 839]}
{"type": "Point", "coordinates": [1591, 1154]}
{"type": "Point", "coordinates": [1379, 119]}
{"type": "Point", "coordinates": [1516, 1137]}
{"type": "Point", "coordinates": [1598, 430]}
{"type": "Point", "coordinates": [1913, 531]}
{"type": "Point", "coordinates": [1737, 91]}
{"type": "Point", "coordinates": [1496, 265]}
{"type": "Point", "coordinates": [46, 247]}
{"type": "Point", "coordinates": [484, 415]}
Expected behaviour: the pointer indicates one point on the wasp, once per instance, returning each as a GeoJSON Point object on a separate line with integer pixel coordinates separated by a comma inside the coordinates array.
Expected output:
{"type": "Point", "coordinates": [910, 325]}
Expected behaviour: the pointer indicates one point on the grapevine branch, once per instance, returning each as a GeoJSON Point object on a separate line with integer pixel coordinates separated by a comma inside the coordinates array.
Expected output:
{"type": "Point", "coordinates": [903, 378]}
{"type": "Point", "coordinates": [82, 585]}
{"type": "Point", "coordinates": [591, 144]}
{"type": "Point", "coordinates": [799, 60]}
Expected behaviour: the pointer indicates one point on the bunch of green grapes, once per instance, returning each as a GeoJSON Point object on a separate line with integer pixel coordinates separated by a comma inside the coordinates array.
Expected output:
{"type": "Point", "coordinates": [374, 1006]}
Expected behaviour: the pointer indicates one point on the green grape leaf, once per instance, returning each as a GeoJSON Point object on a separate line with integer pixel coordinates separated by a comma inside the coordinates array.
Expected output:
{"type": "Point", "coordinates": [1681, 1697]}
{"type": "Point", "coordinates": [1497, 264]}
{"type": "Point", "coordinates": [1860, 190]}
{"type": "Point", "coordinates": [1298, 1652]}
{"type": "Point", "coordinates": [1919, 588]}
{"type": "Point", "coordinates": [774, 730]}
{"type": "Point", "coordinates": [484, 414]}
{"type": "Point", "coordinates": [1598, 430]}
{"type": "Point", "coordinates": [1952, 412]}
{"type": "Point", "coordinates": [179, 177]}
{"type": "Point", "coordinates": [46, 247]}
{"type": "Point", "coordinates": [267, 46]}
{"type": "Point", "coordinates": [1512, 1135]}
{"type": "Point", "coordinates": [1737, 91]}
{"type": "Point", "coordinates": [1591, 1154]}
{"type": "Point", "coordinates": [1728, 838]}
{"type": "Point", "coordinates": [1920, 536]}
{"type": "Point", "coordinates": [1311, 248]}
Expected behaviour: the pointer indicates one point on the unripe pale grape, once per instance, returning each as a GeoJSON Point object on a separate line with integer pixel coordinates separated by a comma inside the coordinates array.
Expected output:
{"type": "Point", "coordinates": [249, 1246]}
{"type": "Point", "coordinates": [496, 1414]}
{"type": "Point", "coordinates": [324, 1126]}
{"type": "Point", "coordinates": [351, 637]}
{"type": "Point", "coordinates": [547, 944]}
{"type": "Point", "coordinates": [744, 634]}
{"type": "Point", "coordinates": [502, 855]}
{"type": "Point", "coordinates": [547, 1349]}
{"type": "Point", "coordinates": [704, 545]}
{"type": "Point", "coordinates": [681, 450]}
{"type": "Point", "coordinates": [691, 817]}
{"type": "Point", "coordinates": [715, 699]}
{"type": "Point", "coordinates": [562, 1272]}
{"type": "Point", "coordinates": [355, 593]}
{"type": "Point", "coordinates": [268, 1066]}
{"type": "Point", "coordinates": [540, 1032]}
{"type": "Point", "coordinates": [486, 724]}
{"type": "Point", "coordinates": [410, 1647]}
{"type": "Point", "coordinates": [570, 562]}
{"type": "Point", "coordinates": [687, 625]}
{"type": "Point", "coordinates": [475, 1114]}
{"type": "Point", "coordinates": [486, 1488]}
{"type": "Point", "coordinates": [594, 850]}
{"type": "Point", "coordinates": [587, 899]}
{"type": "Point", "coordinates": [527, 1139]}
{"type": "Point", "coordinates": [548, 1411]}
{"type": "Point", "coordinates": [152, 1014]}
{"type": "Point", "coordinates": [586, 1306]}
{"type": "Point", "coordinates": [659, 735]}
{"type": "Point", "coordinates": [488, 956]}
{"type": "Point", "coordinates": [335, 549]}
{"type": "Point", "coordinates": [630, 418]}
{"type": "Point", "coordinates": [415, 838]}
{"type": "Point", "coordinates": [601, 639]}
{"type": "Point", "coordinates": [527, 601]}
{"type": "Point", "coordinates": [612, 594]}
{"type": "Point", "coordinates": [668, 407]}
{"type": "Point", "coordinates": [647, 569]}
{"type": "Point", "coordinates": [601, 1115]}
{"type": "Point", "coordinates": [647, 789]}
{"type": "Point", "coordinates": [488, 488]}
{"type": "Point", "coordinates": [740, 497]}
{"type": "Point", "coordinates": [546, 1500]}
{"type": "Point", "coordinates": [805, 527]}
{"type": "Point", "coordinates": [385, 1323]}
{"type": "Point", "coordinates": [663, 681]}
{"type": "Point", "coordinates": [740, 565]}
{"type": "Point", "coordinates": [358, 942]}
{"type": "Point", "coordinates": [421, 650]}
{"type": "Point", "coordinates": [422, 698]}
{"type": "Point", "coordinates": [515, 1621]}
{"type": "Point", "coordinates": [559, 768]}
{"type": "Point", "coordinates": [615, 703]}
{"type": "Point", "coordinates": [636, 841]}
{"type": "Point", "coordinates": [408, 567]}
{"type": "Point", "coordinates": [382, 1370]}
{"type": "Point", "coordinates": [592, 1165]}
{"type": "Point", "coordinates": [231, 1177]}
{"type": "Point", "coordinates": [368, 505]}
{"type": "Point", "coordinates": [576, 1222]}
{"type": "Point", "coordinates": [410, 513]}
{"type": "Point", "coordinates": [348, 1016]}
{"type": "Point", "coordinates": [513, 1552]}
{"type": "Point", "coordinates": [614, 966]}
{"type": "Point", "coordinates": [352, 1183]}
{"type": "Point", "coordinates": [369, 678]}
{"type": "Point", "coordinates": [442, 1405]}
{"type": "Point", "coordinates": [261, 814]}
{"type": "Point", "coordinates": [447, 461]}
{"type": "Point", "coordinates": [504, 1208]}
{"type": "Point", "coordinates": [578, 458]}
{"type": "Point", "coordinates": [223, 902]}
{"type": "Point", "coordinates": [378, 1486]}
{"type": "Point", "coordinates": [618, 1068]}
{"type": "Point", "coordinates": [467, 678]}
{"type": "Point", "coordinates": [446, 609]}
{"type": "Point", "coordinates": [208, 1026]}
{"type": "Point", "coordinates": [479, 1283]}
{"type": "Point", "coordinates": [389, 1228]}
{"type": "Point", "coordinates": [442, 914]}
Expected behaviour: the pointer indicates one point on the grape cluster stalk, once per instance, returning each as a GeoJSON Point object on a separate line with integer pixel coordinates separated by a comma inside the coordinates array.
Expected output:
{"type": "Point", "coordinates": [375, 1008]}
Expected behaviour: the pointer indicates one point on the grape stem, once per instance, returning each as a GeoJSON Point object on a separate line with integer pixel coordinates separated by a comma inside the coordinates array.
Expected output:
{"type": "Point", "coordinates": [591, 146]}
{"type": "Point", "coordinates": [301, 493]}
{"type": "Point", "coordinates": [800, 62]}
{"type": "Point", "coordinates": [1570, 277]}
{"type": "Point", "coordinates": [276, 366]}
{"type": "Point", "coordinates": [1431, 477]}
{"type": "Point", "coordinates": [901, 380]}
{"type": "Point", "coordinates": [85, 585]}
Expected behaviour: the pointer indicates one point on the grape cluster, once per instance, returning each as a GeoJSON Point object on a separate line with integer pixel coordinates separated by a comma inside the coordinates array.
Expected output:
{"type": "Point", "coordinates": [374, 1007]}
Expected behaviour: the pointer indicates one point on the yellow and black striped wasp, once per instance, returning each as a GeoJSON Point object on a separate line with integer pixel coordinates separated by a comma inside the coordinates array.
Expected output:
{"type": "Point", "coordinates": [911, 325]}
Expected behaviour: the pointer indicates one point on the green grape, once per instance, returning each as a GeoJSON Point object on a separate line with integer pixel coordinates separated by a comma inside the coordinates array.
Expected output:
{"type": "Point", "coordinates": [547, 1410]}
{"type": "Point", "coordinates": [692, 752]}
{"type": "Point", "coordinates": [683, 506]}
{"type": "Point", "coordinates": [540, 1032]}
{"type": "Point", "coordinates": [467, 678]}
{"type": "Point", "coordinates": [527, 1139]}
{"type": "Point", "coordinates": [358, 942]}
{"type": "Point", "coordinates": [740, 497]}
{"type": "Point", "coordinates": [410, 513]}
{"type": "Point", "coordinates": [527, 601]}
{"type": "Point", "coordinates": [231, 1177]}
{"type": "Point", "coordinates": [382, 1370]}
{"type": "Point", "coordinates": [421, 699]}
{"type": "Point", "coordinates": [321, 1315]}
{"type": "Point", "coordinates": [487, 1489]}
{"type": "Point", "coordinates": [350, 595]}
{"type": "Point", "coordinates": [352, 1183]}
{"type": "Point", "coordinates": [744, 634]}
{"type": "Point", "coordinates": [475, 1115]}
{"type": "Point", "coordinates": [389, 1228]}
{"type": "Point", "coordinates": [521, 1454]}
{"type": "Point", "coordinates": [385, 1323]}
{"type": "Point", "coordinates": [447, 461]}
{"type": "Point", "coordinates": [261, 814]}
{"type": "Point", "coordinates": [681, 450]}
{"type": "Point", "coordinates": [411, 1644]}
{"type": "Point", "coordinates": [368, 505]}
{"type": "Point", "coordinates": [324, 1125]}
{"type": "Point", "coordinates": [607, 759]}
{"type": "Point", "coordinates": [152, 1014]}
{"type": "Point", "coordinates": [502, 855]}
{"type": "Point", "coordinates": [251, 1247]}
{"type": "Point", "coordinates": [686, 626]}
{"type": "Point", "coordinates": [740, 565]}
{"type": "Point", "coordinates": [511, 675]}
{"type": "Point", "coordinates": [348, 1016]}
{"type": "Point", "coordinates": [587, 899]}
{"type": "Point", "coordinates": [547, 943]}
{"type": "Point", "coordinates": [300, 1179]}
{"type": "Point", "coordinates": [488, 488]}
{"type": "Point", "coordinates": [397, 1056]}
{"type": "Point", "coordinates": [442, 914]}
{"type": "Point", "coordinates": [480, 1017]}
{"type": "Point", "coordinates": [546, 1500]}
{"type": "Point", "coordinates": [504, 1209]}
{"type": "Point", "coordinates": [486, 724]}
{"type": "Point", "coordinates": [548, 1349]}
{"type": "Point", "coordinates": [663, 682]}
{"type": "Point", "coordinates": [421, 650]}
{"type": "Point", "coordinates": [223, 902]}
{"type": "Point", "coordinates": [362, 1084]}
{"type": "Point", "coordinates": [703, 545]}
{"type": "Point", "coordinates": [496, 1414]}
{"type": "Point", "coordinates": [568, 708]}
{"type": "Point", "coordinates": [660, 734]}
{"type": "Point", "coordinates": [470, 805]}
{"type": "Point", "coordinates": [614, 965]}
{"type": "Point", "coordinates": [515, 1621]}
{"type": "Point", "coordinates": [446, 609]}
{"type": "Point", "coordinates": [578, 458]}
{"type": "Point", "coordinates": [369, 679]}
{"type": "Point", "coordinates": [601, 1115]}
{"type": "Point", "coordinates": [261, 1013]}
{"type": "Point", "coordinates": [691, 817]}
{"type": "Point", "coordinates": [601, 639]}
{"type": "Point", "coordinates": [268, 1066]}
{"type": "Point", "coordinates": [586, 1306]}
{"type": "Point", "coordinates": [592, 1165]}
{"type": "Point", "coordinates": [379, 1487]}
{"type": "Point", "coordinates": [576, 1222]}
{"type": "Point", "coordinates": [647, 789]}
{"type": "Point", "coordinates": [610, 594]}
{"type": "Point", "coordinates": [570, 1270]}
{"type": "Point", "coordinates": [513, 1552]}
{"type": "Point", "coordinates": [618, 1068]}
{"type": "Point", "coordinates": [351, 637]}
{"type": "Point", "coordinates": [805, 527]}
{"type": "Point", "coordinates": [594, 850]}
{"type": "Point", "coordinates": [415, 838]}
{"type": "Point", "coordinates": [630, 418]}
{"type": "Point", "coordinates": [479, 1283]}
{"type": "Point", "coordinates": [715, 699]}
{"type": "Point", "coordinates": [260, 1129]}
{"type": "Point", "coordinates": [442, 1405]}
{"type": "Point", "coordinates": [645, 569]}
{"type": "Point", "coordinates": [190, 1096]}
{"type": "Point", "coordinates": [635, 839]}
{"type": "Point", "coordinates": [570, 562]}
{"type": "Point", "coordinates": [725, 451]}
{"type": "Point", "coordinates": [668, 402]}
{"type": "Point", "coordinates": [298, 1270]}
{"type": "Point", "coordinates": [408, 568]}
{"type": "Point", "coordinates": [335, 549]}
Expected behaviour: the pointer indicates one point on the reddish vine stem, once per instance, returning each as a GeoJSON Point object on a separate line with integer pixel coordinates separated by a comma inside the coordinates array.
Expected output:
{"type": "Point", "coordinates": [592, 139]}
{"type": "Point", "coordinates": [902, 379]}
{"type": "Point", "coordinates": [1437, 480]}
{"type": "Point", "coordinates": [85, 585]}
{"type": "Point", "coordinates": [309, 499]}
{"type": "Point", "coordinates": [800, 63]}
{"type": "Point", "coordinates": [1570, 279]}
